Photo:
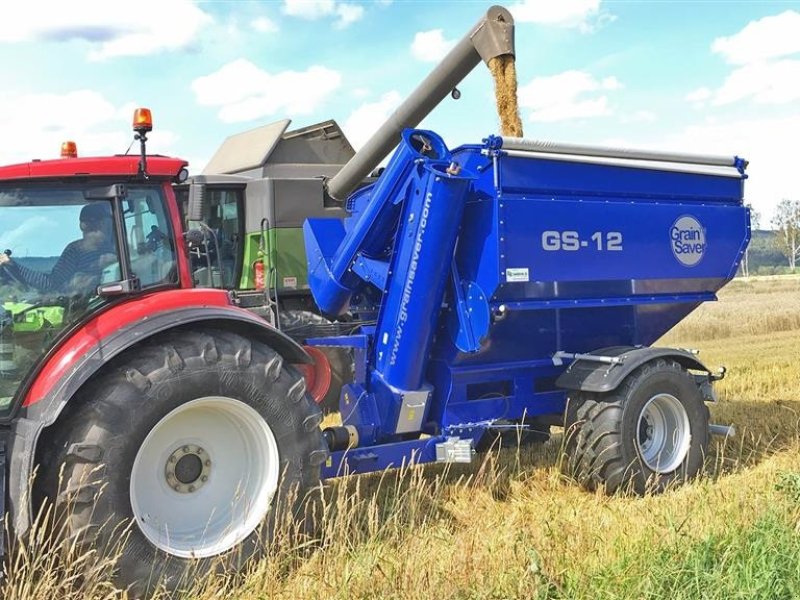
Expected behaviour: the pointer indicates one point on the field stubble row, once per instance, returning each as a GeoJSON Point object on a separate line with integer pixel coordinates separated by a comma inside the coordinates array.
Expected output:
{"type": "Point", "coordinates": [512, 527]}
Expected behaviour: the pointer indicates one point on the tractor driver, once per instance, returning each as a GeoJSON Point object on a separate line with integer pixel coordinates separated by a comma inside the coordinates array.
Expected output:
{"type": "Point", "coordinates": [80, 266]}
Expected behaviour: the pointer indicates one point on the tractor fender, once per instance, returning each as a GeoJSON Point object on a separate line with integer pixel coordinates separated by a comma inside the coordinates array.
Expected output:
{"type": "Point", "coordinates": [38, 413]}
{"type": "Point", "coordinates": [588, 375]}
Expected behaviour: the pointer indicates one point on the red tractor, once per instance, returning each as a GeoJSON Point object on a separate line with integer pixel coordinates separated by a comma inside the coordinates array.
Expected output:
{"type": "Point", "coordinates": [167, 406]}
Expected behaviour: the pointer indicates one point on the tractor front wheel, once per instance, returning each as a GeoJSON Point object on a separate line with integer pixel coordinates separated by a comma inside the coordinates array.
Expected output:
{"type": "Point", "coordinates": [201, 440]}
{"type": "Point", "coordinates": [647, 435]}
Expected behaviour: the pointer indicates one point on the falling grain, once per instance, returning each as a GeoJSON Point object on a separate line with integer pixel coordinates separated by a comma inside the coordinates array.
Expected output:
{"type": "Point", "coordinates": [504, 73]}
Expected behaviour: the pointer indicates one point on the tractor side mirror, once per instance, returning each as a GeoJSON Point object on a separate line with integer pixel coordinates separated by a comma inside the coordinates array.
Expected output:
{"type": "Point", "coordinates": [196, 204]}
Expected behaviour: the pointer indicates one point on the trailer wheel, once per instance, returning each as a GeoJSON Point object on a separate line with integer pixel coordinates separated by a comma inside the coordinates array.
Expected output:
{"type": "Point", "coordinates": [302, 324]}
{"type": "Point", "coordinates": [647, 435]}
{"type": "Point", "coordinates": [202, 439]}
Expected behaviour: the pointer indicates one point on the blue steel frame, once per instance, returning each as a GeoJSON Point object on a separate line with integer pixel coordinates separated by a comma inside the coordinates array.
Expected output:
{"type": "Point", "coordinates": [487, 264]}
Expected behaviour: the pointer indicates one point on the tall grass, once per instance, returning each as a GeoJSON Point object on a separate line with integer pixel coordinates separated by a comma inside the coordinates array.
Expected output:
{"type": "Point", "coordinates": [510, 526]}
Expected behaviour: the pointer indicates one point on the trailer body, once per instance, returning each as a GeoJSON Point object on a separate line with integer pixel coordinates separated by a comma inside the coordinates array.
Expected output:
{"type": "Point", "coordinates": [494, 266]}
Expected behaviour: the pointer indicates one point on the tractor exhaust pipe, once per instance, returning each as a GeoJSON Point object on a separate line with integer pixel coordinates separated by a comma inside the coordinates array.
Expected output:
{"type": "Point", "coordinates": [492, 36]}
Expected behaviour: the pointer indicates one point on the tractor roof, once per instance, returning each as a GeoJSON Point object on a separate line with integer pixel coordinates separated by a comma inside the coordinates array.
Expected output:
{"type": "Point", "coordinates": [97, 166]}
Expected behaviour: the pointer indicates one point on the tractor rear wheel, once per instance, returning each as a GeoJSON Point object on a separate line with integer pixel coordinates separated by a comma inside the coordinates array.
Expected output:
{"type": "Point", "coordinates": [202, 440]}
{"type": "Point", "coordinates": [649, 434]}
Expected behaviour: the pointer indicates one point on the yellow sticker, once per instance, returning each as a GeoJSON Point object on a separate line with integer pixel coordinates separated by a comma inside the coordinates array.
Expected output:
{"type": "Point", "coordinates": [411, 415]}
{"type": "Point", "coordinates": [329, 462]}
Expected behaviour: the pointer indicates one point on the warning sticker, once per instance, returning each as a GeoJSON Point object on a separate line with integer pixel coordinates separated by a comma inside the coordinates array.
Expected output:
{"type": "Point", "coordinates": [515, 275]}
{"type": "Point", "coordinates": [290, 282]}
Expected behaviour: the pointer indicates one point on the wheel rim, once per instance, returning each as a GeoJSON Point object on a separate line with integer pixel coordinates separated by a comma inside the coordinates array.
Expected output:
{"type": "Point", "coordinates": [204, 477]}
{"type": "Point", "coordinates": [663, 433]}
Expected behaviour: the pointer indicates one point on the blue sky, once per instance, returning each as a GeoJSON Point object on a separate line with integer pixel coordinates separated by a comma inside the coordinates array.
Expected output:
{"type": "Point", "coordinates": [713, 76]}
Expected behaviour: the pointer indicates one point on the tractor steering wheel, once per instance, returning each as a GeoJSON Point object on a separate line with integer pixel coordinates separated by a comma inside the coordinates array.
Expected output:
{"type": "Point", "coordinates": [7, 274]}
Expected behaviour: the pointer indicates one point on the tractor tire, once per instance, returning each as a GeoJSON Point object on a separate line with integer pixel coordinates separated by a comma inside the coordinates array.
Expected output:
{"type": "Point", "coordinates": [301, 324]}
{"type": "Point", "coordinates": [203, 439]}
{"type": "Point", "coordinates": [648, 435]}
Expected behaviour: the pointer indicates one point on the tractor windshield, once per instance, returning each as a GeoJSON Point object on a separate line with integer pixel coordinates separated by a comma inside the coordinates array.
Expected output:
{"type": "Point", "coordinates": [56, 247]}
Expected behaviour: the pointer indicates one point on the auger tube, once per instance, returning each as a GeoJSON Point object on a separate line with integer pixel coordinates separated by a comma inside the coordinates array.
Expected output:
{"type": "Point", "coordinates": [492, 36]}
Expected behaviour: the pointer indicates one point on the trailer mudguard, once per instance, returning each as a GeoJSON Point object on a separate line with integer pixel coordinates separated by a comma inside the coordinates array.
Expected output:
{"type": "Point", "coordinates": [38, 413]}
{"type": "Point", "coordinates": [602, 376]}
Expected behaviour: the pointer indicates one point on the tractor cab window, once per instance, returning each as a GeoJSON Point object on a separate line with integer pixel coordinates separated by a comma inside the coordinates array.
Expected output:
{"type": "Point", "coordinates": [150, 242]}
{"type": "Point", "coordinates": [218, 263]}
{"type": "Point", "coordinates": [55, 246]}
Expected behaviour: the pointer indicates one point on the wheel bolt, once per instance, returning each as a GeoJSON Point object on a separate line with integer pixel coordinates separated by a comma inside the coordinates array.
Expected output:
{"type": "Point", "coordinates": [185, 449]}
{"type": "Point", "coordinates": [208, 463]}
{"type": "Point", "coordinates": [191, 488]}
{"type": "Point", "coordinates": [204, 478]}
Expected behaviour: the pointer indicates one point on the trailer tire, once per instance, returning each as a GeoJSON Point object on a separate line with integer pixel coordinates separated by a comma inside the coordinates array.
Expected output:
{"type": "Point", "coordinates": [302, 324]}
{"type": "Point", "coordinates": [186, 410]}
{"type": "Point", "coordinates": [646, 436]}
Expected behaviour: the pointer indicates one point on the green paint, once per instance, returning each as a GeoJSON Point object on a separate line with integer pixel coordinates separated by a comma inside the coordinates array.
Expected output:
{"type": "Point", "coordinates": [285, 249]}
{"type": "Point", "coordinates": [26, 321]}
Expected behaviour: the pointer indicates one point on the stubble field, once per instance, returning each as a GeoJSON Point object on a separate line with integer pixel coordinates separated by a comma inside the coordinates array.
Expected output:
{"type": "Point", "coordinates": [510, 526]}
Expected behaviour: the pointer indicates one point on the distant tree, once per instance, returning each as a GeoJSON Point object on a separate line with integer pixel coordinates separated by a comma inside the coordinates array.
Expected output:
{"type": "Point", "coordinates": [755, 223]}
{"type": "Point", "coordinates": [787, 222]}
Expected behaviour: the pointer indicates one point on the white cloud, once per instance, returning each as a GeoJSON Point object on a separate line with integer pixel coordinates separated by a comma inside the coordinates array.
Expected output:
{"type": "Point", "coordinates": [84, 116]}
{"type": "Point", "coordinates": [584, 15]}
{"type": "Point", "coordinates": [568, 95]}
{"type": "Point", "coordinates": [699, 96]}
{"type": "Point", "coordinates": [264, 25]}
{"type": "Point", "coordinates": [365, 119]}
{"type": "Point", "coordinates": [767, 38]}
{"type": "Point", "coordinates": [765, 83]}
{"type": "Point", "coordinates": [431, 46]}
{"type": "Point", "coordinates": [640, 116]}
{"type": "Point", "coordinates": [345, 12]}
{"type": "Point", "coordinates": [243, 91]}
{"type": "Point", "coordinates": [110, 28]}
{"type": "Point", "coordinates": [763, 73]}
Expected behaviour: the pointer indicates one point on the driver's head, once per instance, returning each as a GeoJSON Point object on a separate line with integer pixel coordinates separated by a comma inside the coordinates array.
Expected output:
{"type": "Point", "coordinates": [95, 216]}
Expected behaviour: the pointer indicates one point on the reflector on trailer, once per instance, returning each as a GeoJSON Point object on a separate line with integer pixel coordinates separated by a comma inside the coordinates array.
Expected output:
{"type": "Point", "coordinates": [69, 149]}
{"type": "Point", "coordinates": [142, 120]}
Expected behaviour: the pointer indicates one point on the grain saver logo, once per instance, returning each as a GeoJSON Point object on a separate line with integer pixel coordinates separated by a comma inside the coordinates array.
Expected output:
{"type": "Point", "coordinates": [688, 240]}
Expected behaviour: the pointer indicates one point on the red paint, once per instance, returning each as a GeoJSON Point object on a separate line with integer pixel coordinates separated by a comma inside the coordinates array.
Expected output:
{"type": "Point", "coordinates": [317, 375]}
{"type": "Point", "coordinates": [106, 323]}
{"type": "Point", "coordinates": [105, 166]}
{"type": "Point", "coordinates": [184, 265]}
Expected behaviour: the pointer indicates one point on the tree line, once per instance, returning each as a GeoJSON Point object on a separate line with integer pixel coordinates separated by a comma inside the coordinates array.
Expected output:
{"type": "Point", "coordinates": [774, 251]}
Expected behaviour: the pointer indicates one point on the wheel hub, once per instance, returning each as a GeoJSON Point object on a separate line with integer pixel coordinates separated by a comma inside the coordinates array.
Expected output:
{"type": "Point", "coordinates": [664, 434]}
{"type": "Point", "coordinates": [187, 468]}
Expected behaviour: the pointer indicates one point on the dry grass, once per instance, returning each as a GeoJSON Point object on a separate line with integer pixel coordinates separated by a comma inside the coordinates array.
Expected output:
{"type": "Point", "coordinates": [511, 527]}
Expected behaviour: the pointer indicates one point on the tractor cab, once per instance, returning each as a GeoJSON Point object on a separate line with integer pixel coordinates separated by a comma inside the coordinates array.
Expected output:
{"type": "Point", "coordinates": [77, 235]}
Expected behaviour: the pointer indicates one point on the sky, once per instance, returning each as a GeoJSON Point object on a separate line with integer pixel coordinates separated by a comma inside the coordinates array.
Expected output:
{"type": "Point", "coordinates": [695, 76]}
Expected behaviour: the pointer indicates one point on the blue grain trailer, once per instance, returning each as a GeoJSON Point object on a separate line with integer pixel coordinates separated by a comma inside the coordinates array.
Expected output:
{"type": "Point", "coordinates": [517, 283]}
